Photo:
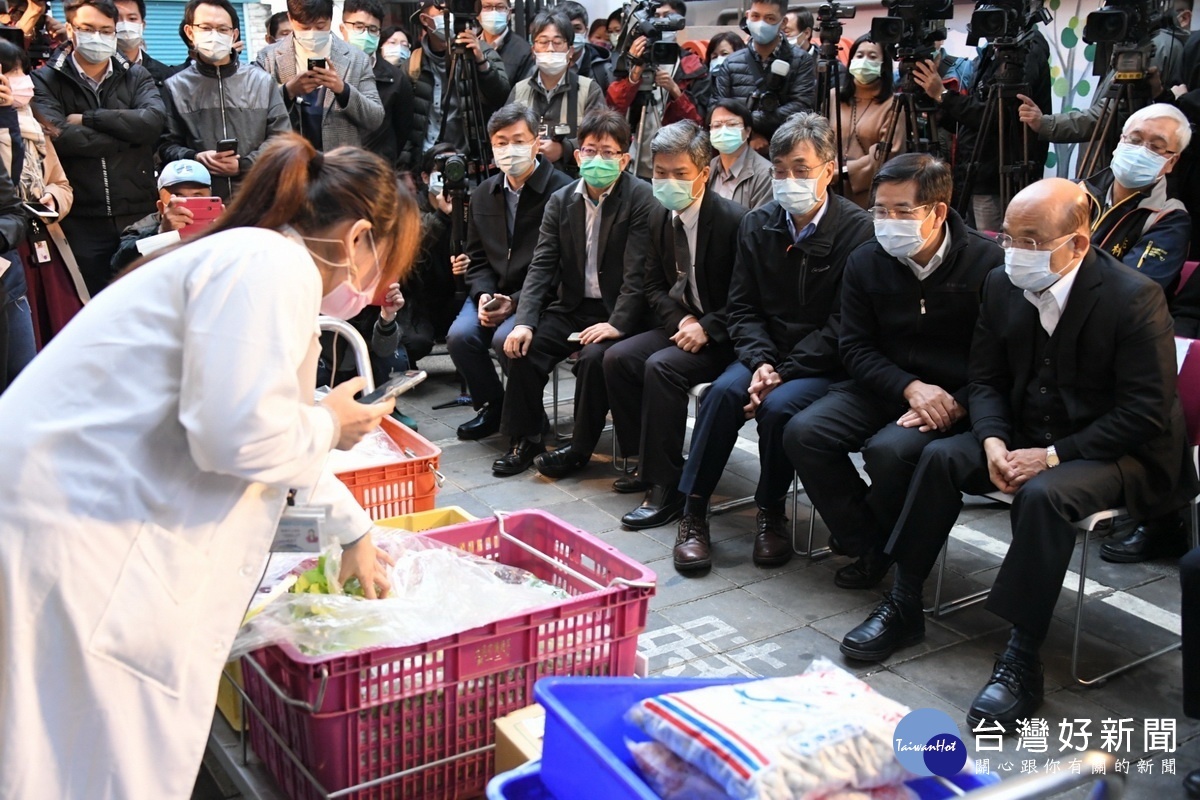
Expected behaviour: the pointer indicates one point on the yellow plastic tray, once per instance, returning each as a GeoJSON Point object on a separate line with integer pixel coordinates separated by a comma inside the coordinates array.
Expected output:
{"type": "Point", "coordinates": [427, 520]}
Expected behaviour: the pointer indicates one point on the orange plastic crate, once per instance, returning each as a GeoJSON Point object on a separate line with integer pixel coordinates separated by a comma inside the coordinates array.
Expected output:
{"type": "Point", "coordinates": [404, 487]}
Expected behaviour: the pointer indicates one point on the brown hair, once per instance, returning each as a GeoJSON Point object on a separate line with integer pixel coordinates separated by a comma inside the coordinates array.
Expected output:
{"type": "Point", "coordinates": [292, 183]}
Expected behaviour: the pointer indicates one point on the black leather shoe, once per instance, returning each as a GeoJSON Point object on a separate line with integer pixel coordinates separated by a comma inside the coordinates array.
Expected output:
{"type": "Point", "coordinates": [772, 543]}
{"type": "Point", "coordinates": [485, 423]}
{"type": "Point", "coordinates": [888, 628]}
{"type": "Point", "coordinates": [692, 546]}
{"type": "Point", "coordinates": [1013, 693]}
{"type": "Point", "coordinates": [849, 546]}
{"type": "Point", "coordinates": [1146, 542]}
{"type": "Point", "coordinates": [1191, 783]}
{"type": "Point", "coordinates": [562, 462]}
{"type": "Point", "coordinates": [663, 504]}
{"type": "Point", "coordinates": [518, 459]}
{"type": "Point", "coordinates": [631, 484]}
{"type": "Point", "coordinates": [864, 573]}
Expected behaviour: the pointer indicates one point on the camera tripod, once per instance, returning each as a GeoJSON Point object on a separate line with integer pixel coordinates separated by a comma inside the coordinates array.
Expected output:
{"type": "Point", "coordinates": [828, 83]}
{"type": "Point", "coordinates": [912, 106]}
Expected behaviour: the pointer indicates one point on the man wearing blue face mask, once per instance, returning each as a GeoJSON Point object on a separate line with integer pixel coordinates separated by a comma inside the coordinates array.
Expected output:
{"type": "Point", "coordinates": [1073, 409]}
{"type": "Point", "coordinates": [495, 17]}
{"type": "Point", "coordinates": [693, 245]}
{"type": "Point", "coordinates": [909, 304]}
{"type": "Point", "coordinates": [328, 86]}
{"type": "Point", "coordinates": [590, 61]}
{"type": "Point", "coordinates": [362, 22]}
{"type": "Point", "coordinates": [771, 76]}
{"type": "Point", "coordinates": [782, 318]}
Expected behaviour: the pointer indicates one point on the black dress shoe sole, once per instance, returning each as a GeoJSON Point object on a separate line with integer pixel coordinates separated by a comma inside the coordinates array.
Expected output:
{"type": "Point", "coordinates": [475, 434]}
{"type": "Point", "coordinates": [664, 516]}
{"type": "Point", "coordinates": [559, 471]}
{"type": "Point", "coordinates": [860, 581]}
{"type": "Point", "coordinates": [509, 471]}
{"type": "Point", "coordinates": [772, 561]}
{"type": "Point", "coordinates": [975, 718]}
{"type": "Point", "coordinates": [1166, 550]}
{"type": "Point", "coordinates": [631, 488]}
{"type": "Point", "coordinates": [860, 653]}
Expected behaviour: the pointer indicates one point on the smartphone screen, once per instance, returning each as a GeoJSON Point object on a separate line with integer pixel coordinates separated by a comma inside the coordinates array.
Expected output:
{"type": "Point", "coordinates": [41, 210]}
{"type": "Point", "coordinates": [313, 63]}
{"type": "Point", "coordinates": [493, 304]}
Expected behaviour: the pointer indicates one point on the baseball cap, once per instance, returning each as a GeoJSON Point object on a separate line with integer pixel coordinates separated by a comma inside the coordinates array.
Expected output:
{"type": "Point", "coordinates": [184, 171]}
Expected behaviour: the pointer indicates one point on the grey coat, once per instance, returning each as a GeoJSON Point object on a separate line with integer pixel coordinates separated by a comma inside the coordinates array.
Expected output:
{"type": "Point", "coordinates": [343, 124]}
{"type": "Point", "coordinates": [206, 104]}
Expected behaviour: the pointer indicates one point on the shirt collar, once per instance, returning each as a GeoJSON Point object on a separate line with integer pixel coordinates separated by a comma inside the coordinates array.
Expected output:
{"type": "Point", "coordinates": [79, 68]}
{"type": "Point", "coordinates": [690, 215]}
{"type": "Point", "coordinates": [1061, 290]}
{"type": "Point", "coordinates": [581, 188]}
{"type": "Point", "coordinates": [738, 165]}
{"type": "Point", "coordinates": [923, 272]}
{"type": "Point", "coordinates": [809, 229]}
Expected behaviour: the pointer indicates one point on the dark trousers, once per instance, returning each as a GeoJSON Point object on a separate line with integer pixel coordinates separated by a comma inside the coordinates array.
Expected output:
{"type": "Point", "coordinates": [94, 241]}
{"type": "Point", "coordinates": [469, 344]}
{"type": "Point", "coordinates": [1189, 581]}
{"type": "Point", "coordinates": [523, 415]}
{"type": "Point", "coordinates": [648, 379]}
{"type": "Point", "coordinates": [819, 441]}
{"type": "Point", "coordinates": [721, 417]}
{"type": "Point", "coordinates": [1043, 537]}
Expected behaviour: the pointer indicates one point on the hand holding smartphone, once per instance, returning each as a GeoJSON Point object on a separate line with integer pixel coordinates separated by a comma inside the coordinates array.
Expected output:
{"type": "Point", "coordinates": [494, 303]}
{"type": "Point", "coordinates": [395, 387]}
{"type": "Point", "coordinates": [575, 337]}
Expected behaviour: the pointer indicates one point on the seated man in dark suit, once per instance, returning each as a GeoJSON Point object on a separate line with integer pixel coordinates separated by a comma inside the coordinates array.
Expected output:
{"type": "Point", "coordinates": [503, 218]}
{"type": "Point", "coordinates": [649, 375]}
{"type": "Point", "coordinates": [1073, 409]}
{"type": "Point", "coordinates": [586, 279]}
{"type": "Point", "coordinates": [783, 322]}
{"type": "Point", "coordinates": [909, 304]}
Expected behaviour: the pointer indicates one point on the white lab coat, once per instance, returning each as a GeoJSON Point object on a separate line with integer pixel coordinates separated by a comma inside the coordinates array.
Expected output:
{"type": "Point", "coordinates": [147, 453]}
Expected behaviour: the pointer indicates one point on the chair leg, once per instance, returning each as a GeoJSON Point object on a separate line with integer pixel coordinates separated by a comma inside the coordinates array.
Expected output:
{"type": "Point", "coordinates": [939, 609]}
{"type": "Point", "coordinates": [1102, 678]}
{"type": "Point", "coordinates": [808, 552]}
{"type": "Point", "coordinates": [554, 395]}
{"type": "Point", "coordinates": [1194, 526]}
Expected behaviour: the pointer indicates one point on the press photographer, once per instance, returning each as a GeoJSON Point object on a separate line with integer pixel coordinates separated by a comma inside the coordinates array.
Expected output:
{"type": "Point", "coordinates": [771, 76]}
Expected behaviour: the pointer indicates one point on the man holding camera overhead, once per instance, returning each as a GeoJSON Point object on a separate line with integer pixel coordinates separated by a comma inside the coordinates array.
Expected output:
{"type": "Point", "coordinates": [328, 87]}
{"type": "Point", "coordinates": [771, 76]}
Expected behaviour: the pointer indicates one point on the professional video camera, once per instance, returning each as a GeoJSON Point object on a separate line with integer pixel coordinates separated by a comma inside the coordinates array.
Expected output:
{"type": "Point", "coordinates": [640, 20]}
{"type": "Point", "coordinates": [912, 26]}
{"type": "Point", "coordinates": [41, 45]}
{"type": "Point", "coordinates": [1007, 26]}
{"type": "Point", "coordinates": [829, 19]}
{"type": "Point", "coordinates": [1121, 32]}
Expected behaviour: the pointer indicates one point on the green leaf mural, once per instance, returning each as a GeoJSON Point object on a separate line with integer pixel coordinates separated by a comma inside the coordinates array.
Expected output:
{"type": "Point", "coordinates": [1071, 69]}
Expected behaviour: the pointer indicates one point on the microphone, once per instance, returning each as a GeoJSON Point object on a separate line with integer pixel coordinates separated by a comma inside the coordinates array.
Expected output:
{"type": "Point", "coordinates": [767, 97]}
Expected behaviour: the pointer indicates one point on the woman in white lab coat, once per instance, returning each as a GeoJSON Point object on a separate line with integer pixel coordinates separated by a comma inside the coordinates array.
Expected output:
{"type": "Point", "coordinates": [147, 455]}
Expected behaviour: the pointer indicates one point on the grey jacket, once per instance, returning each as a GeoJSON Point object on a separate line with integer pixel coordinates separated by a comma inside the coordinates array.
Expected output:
{"type": "Point", "coordinates": [206, 104]}
{"type": "Point", "coordinates": [345, 123]}
{"type": "Point", "coordinates": [753, 186]}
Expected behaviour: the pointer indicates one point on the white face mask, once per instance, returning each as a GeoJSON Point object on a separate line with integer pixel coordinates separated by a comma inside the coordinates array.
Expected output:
{"type": "Point", "coordinates": [797, 195]}
{"type": "Point", "coordinates": [551, 63]}
{"type": "Point", "coordinates": [129, 34]}
{"type": "Point", "coordinates": [514, 159]}
{"type": "Point", "coordinates": [494, 22]}
{"type": "Point", "coordinates": [1030, 269]}
{"type": "Point", "coordinates": [313, 41]}
{"type": "Point", "coordinates": [716, 62]}
{"type": "Point", "coordinates": [900, 238]}
{"type": "Point", "coordinates": [95, 48]}
{"type": "Point", "coordinates": [395, 53]}
{"type": "Point", "coordinates": [214, 46]}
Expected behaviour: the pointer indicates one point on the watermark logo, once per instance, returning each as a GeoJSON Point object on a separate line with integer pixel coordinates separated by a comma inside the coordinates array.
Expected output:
{"type": "Point", "coordinates": [928, 742]}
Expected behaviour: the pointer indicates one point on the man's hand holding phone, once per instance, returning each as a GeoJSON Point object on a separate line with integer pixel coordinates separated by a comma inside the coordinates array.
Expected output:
{"type": "Point", "coordinates": [219, 162]}
{"type": "Point", "coordinates": [302, 84]}
{"type": "Point", "coordinates": [327, 76]}
{"type": "Point", "coordinates": [175, 215]}
{"type": "Point", "coordinates": [494, 309]}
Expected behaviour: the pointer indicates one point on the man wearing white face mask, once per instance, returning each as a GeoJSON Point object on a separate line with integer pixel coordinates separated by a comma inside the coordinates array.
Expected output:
{"type": "Point", "coordinates": [132, 43]}
{"type": "Point", "coordinates": [909, 304]}
{"type": "Point", "coordinates": [215, 99]}
{"type": "Point", "coordinates": [1073, 409]}
{"type": "Point", "coordinates": [591, 61]}
{"type": "Point", "coordinates": [109, 114]}
{"type": "Point", "coordinates": [328, 86]}
{"type": "Point", "coordinates": [504, 217]}
{"type": "Point", "coordinates": [495, 17]}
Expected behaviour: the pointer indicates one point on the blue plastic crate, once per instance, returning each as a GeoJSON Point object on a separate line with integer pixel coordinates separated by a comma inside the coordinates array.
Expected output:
{"type": "Point", "coordinates": [522, 783]}
{"type": "Point", "coordinates": [584, 752]}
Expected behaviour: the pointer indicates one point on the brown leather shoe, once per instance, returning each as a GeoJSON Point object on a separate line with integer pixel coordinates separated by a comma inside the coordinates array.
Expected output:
{"type": "Point", "coordinates": [692, 546]}
{"type": "Point", "coordinates": [772, 545]}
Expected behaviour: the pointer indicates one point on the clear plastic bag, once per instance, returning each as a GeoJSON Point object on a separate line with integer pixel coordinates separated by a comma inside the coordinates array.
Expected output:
{"type": "Point", "coordinates": [436, 591]}
{"type": "Point", "coordinates": [375, 450]}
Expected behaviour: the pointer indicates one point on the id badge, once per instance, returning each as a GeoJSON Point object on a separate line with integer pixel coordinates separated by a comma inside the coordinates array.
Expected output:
{"type": "Point", "coordinates": [41, 251]}
{"type": "Point", "coordinates": [300, 529]}
{"type": "Point", "coordinates": [562, 130]}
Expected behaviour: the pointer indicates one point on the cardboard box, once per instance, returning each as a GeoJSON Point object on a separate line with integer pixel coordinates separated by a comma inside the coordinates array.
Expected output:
{"type": "Point", "coordinates": [519, 737]}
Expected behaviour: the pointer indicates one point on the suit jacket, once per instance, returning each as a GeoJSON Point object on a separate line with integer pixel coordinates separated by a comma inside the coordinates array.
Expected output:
{"type": "Point", "coordinates": [560, 258]}
{"type": "Point", "coordinates": [342, 125]}
{"type": "Point", "coordinates": [1115, 352]}
{"type": "Point", "coordinates": [716, 250]}
{"type": "Point", "coordinates": [499, 264]}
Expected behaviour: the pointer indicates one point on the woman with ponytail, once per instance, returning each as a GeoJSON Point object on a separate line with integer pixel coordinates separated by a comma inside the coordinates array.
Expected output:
{"type": "Point", "coordinates": [148, 454]}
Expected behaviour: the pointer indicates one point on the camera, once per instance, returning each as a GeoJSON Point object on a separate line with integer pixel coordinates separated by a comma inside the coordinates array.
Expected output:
{"type": "Point", "coordinates": [912, 26]}
{"type": "Point", "coordinates": [1121, 32]}
{"type": "Point", "coordinates": [454, 168]}
{"type": "Point", "coordinates": [829, 18]}
{"type": "Point", "coordinates": [995, 21]}
{"type": "Point", "coordinates": [640, 21]}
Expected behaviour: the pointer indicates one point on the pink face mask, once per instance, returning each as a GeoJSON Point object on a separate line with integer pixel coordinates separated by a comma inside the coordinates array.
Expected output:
{"type": "Point", "coordinates": [346, 300]}
{"type": "Point", "coordinates": [22, 90]}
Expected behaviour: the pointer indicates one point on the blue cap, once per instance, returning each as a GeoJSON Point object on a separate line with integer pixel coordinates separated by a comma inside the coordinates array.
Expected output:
{"type": "Point", "coordinates": [185, 171]}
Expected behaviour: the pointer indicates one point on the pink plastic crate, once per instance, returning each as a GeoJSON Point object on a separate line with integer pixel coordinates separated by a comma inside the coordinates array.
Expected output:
{"type": "Point", "coordinates": [387, 710]}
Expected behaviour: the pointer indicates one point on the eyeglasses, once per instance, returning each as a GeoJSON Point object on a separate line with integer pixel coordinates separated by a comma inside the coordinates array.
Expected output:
{"type": "Point", "coordinates": [1153, 147]}
{"type": "Point", "coordinates": [882, 212]}
{"type": "Point", "coordinates": [358, 27]}
{"type": "Point", "coordinates": [1008, 243]}
{"type": "Point", "coordinates": [514, 143]}
{"type": "Point", "coordinates": [224, 30]}
{"type": "Point", "coordinates": [590, 152]}
{"type": "Point", "coordinates": [498, 7]}
{"type": "Point", "coordinates": [543, 45]}
{"type": "Point", "coordinates": [733, 125]}
{"type": "Point", "coordinates": [803, 173]}
{"type": "Point", "coordinates": [103, 31]}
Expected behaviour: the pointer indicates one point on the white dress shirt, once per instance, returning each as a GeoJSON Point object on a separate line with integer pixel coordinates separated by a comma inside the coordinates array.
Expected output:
{"type": "Point", "coordinates": [936, 261]}
{"type": "Point", "coordinates": [592, 214]}
{"type": "Point", "coordinates": [1051, 302]}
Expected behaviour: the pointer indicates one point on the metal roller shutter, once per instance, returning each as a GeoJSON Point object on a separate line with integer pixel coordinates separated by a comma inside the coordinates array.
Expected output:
{"type": "Point", "coordinates": [162, 30]}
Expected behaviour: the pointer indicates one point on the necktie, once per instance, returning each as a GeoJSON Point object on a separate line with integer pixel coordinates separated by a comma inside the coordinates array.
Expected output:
{"type": "Point", "coordinates": [682, 292]}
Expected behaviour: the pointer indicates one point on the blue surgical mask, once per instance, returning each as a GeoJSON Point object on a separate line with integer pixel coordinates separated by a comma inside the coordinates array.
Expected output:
{"type": "Point", "coordinates": [395, 53]}
{"type": "Point", "coordinates": [1136, 167]}
{"type": "Point", "coordinates": [797, 195]}
{"type": "Point", "coordinates": [716, 63]}
{"type": "Point", "coordinates": [763, 33]}
{"type": "Point", "coordinates": [494, 22]}
{"type": "Point", "coordinates": [364, 40]}
{"type": "Point", "coordinates": [674, 194]}
{"type": "Point", "coordinates": [580, 40]}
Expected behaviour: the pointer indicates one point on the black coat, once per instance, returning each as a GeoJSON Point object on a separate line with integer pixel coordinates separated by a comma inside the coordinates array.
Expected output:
{"type": "Point", "coordinates": [396, 94]}
{"type": "Point", "coordinates": [744, 72]}
{"type": "Point", "coordinates": [517, 55]}
{"type": "Point", "coordinates": [785, 299]}
{"type": "Point", "coordinates": [498, 264]}
{"type": "Point", "coordinates": [716, 250]}
{"type": "Point", "coordinates": [897, 329]}
{"type": "Point", "coordinates": [1115, 356]}
{"type": "Point", "coordinates": [158, 70]}
{"type": "Point", "coordinates": [109, 159]}
{"type": "Point", "coordinates": [560, 258]}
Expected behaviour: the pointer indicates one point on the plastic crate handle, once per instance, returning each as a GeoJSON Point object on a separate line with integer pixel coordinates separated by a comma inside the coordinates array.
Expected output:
{"type": "Point", "coordinates": [312, 708]}
{"type": "Point", "coordinates": [561, 567]}
{"type": "Point", "coordinates": [437, 476]}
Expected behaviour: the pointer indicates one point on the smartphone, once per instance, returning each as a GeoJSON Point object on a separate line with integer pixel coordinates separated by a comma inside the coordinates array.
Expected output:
{"type": "Point", "coordinates": [225, 145]}
{"type": "Point", "coordinates": [41, 211]}
{"type": "Point", "coordinates": [205, 211]}
{"type": "Point", "coordinates": [313, 63]}
{"type": "Point", "coordinates": [395, 387]}
{"type": "Point", "coordinates": [574, 337]}
{"type": "Point", "coordinates": [493, 304]}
